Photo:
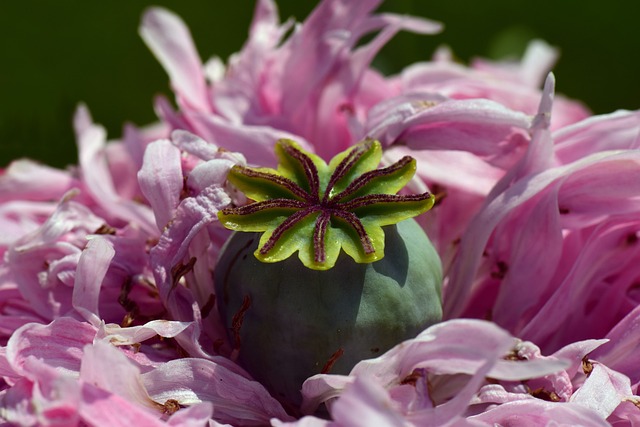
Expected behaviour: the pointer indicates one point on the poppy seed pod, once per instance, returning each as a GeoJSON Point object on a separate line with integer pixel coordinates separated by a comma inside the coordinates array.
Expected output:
{"type": "Point", "coordinates": [288, 318]}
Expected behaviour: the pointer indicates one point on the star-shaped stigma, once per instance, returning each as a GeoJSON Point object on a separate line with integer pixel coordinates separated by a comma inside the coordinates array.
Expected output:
{"type": "Point", "coordinates": [317, 209]}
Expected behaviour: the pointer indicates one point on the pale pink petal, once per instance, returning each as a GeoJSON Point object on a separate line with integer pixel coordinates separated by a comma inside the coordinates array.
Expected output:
{"type": "Point", "coordinates": [97, 176]}
{"type": "Point", "coordinates": [458, 346]}
{"type": "Point", "coordinates": [192, 216]}
{"type": "Point", "coordinates": [5, 367]}
{"type": "Point", "coordinates": [365, 402]}
{"type": "Point", "coordinates": [322, 388]}
{"type": "Point", "coordinates": [244, 91]}
{"type": "Point", "coordinates": [161, 179]}
{"type": "Point", "coordinates": [616, 131]}
{"type": "Point", "coordinates": [206, 174]}
{"type": "Point", "coordinates": [27, 180]}
{"type": "Point", "coordinates": [537, 412]}
{"type": "Point", "coordinates": [100, 407]}
{"type": "Point", "coordinates": [59, 344]}
{"type": "Point", "coordinates": [316, 47]}
{"type": "Point", "coordinates": [170, 41]}
{"type": "Point", "coordinates": [453, 409]}
{"type": "Point", "coordinates": [603, 390]}
{"type": "Point", "coordinates": [576, 352]}
{"type": "Point", "coordinates": [15, 311]}
{"type": "Point", "coordinates": [479, 126]}
{"type": "Point", "coordinates": [59, 240]}
{"type": "Point", "coordinates": [18, 218]}
{"type": "Point", "coordinates": [193, 144]}
{"type": "Point", "coordinates": [235, 398]}
{"type": "Point", "coordinates": [255, 142]}
{"type": "Point", "coordinates": [621, 352]}
{"type": "Point", "coordinates": [594, 185]}
{"type": "Point", "coordinates": [193, 416]}
{"type": "Point", "coordinates": [306, 421]}
{"type": "Point", "coordinates": [626, 414]}
{"type": "Point", "coordinates": [50, 398]}
{"type": "Point", "coordinates": [15, 405]}
{"type": "Point", "coordinates": [531, 70]}
{"type": "Point", "coordinates": [107, 368]}
{"type": "Point", "coordinates": [91, 270]}
{"type": "Point", "coordinates": [118, 335]}
{"type": "Point", "coordinates": [136, 139]}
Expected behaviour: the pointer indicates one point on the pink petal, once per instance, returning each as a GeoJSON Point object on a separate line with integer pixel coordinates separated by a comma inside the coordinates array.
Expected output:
{"type": "Point", "coordinates": [107, 368]}
{"type": "Point", "coordinates": [192, 216]}
{"type": "Point", "coordinates": [365, 402]}
{"type": "Point", "coordinates": [621, 352]}
{"type": "Point", "coordinates": [194, 416]}
{"type": "Point", "coordinates": [255, 142]}
{"type": "Point", "coordinates": [306, 421]}
{"type": "Point", "coordinates": [479, 126]}
{"type": "Point", "coordinates": [59, 344]}
{"type": "Point", "coordinates": [603, 390]}
{"type": "Point", "coordinates": [616, 131]}
{"type": "Point", "coordinates": [51, 399]}
{"type": "Point", "coordinates": [27, 180]}
{"type": "Point", "coordinates": [117, 335]}
{"type": "Point", "coordinates": [91, 271]}
{"type": "Point", "coordinates": [97, 177]}
{"type": "Point", "coordinates": [170, 41]}
{"type": "Point", "coordinates": [161, 179]}
{"type": "Point", "coordinates": [537, 61]}
{"type": "Point", "coordinates": [5, 367]}
{"type": "Point", "coordinates": [538, 412]}
{"type": "Point", "coordinates": [19, 218]}
{"type": "Point", "coordinates": [100, 407]}
{"type": "Point", "coordinates": [235, 398]}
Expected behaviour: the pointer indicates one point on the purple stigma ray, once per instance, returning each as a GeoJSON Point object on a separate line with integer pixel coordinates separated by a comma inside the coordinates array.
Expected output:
{"type": "Point", "coordinates": [310, 169]}
{"type": "Point", "coordinates": [286, 202]}
{"type": "Point", "coordinates": [344, 167]}
{"type": "Point", "coordinates": [374, 199]}
{"type": "Point", "coordinates": [367, 177]}
{"type": "Point", "coordinates": [267, 204]}
{"type": "Point", "coordinates": [286, 225]}
{"type": "Point", "coordinates": [356, 224]}
{"type": "Point", "coordinates": [319, 234]}
{"type": "Point", "coordinates": [276, 179]}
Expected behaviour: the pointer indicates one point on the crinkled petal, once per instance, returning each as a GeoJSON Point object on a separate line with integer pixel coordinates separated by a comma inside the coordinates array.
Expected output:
{"type": "Point", "coordinates": [365, 402]}
{"type": "Point", "coordinates": [106, 367]}
{"type": "Point", "coordinates": [161, 179]}
{"type": "Point", "coordinates": [97, 177]}
{"type": "Point", "coordinates": [91, 270]}
{"type": "Point", "coordinates": [235, 398]}
{"type": "Point", "coordinates": [170, 40]}
{"type": "Point", "coordinates": [60, 344]}
{"type": "Point", "coordinates": [603, 390]}
{"type": "Point", "coordinates": [538, 412]}
{"type": "Point", "coordinates": [117, 335]}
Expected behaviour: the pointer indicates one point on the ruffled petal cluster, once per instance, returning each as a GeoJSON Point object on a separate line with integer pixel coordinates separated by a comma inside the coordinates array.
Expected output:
{"type": "Point", "coordinates": [107, 310]}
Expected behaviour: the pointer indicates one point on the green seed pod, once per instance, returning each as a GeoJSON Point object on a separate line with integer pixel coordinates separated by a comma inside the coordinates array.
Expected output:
{"type": "Point", "coordinates": [343, 300]}
{"type": "Point", "coordinates": [292, 322]}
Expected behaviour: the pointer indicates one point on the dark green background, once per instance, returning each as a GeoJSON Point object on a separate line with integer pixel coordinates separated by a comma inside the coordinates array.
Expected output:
{"type": "Point", "coordinates": [56, 54]}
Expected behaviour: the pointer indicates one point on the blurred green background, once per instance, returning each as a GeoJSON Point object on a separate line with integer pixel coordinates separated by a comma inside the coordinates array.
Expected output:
{"type": "Point", "coordinates": [57, 54]}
